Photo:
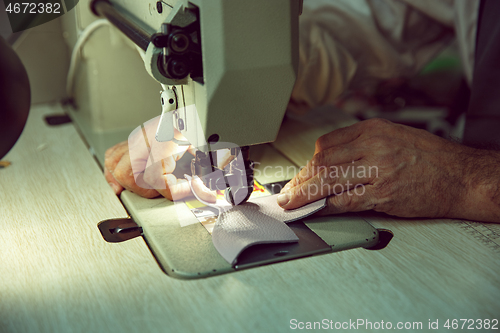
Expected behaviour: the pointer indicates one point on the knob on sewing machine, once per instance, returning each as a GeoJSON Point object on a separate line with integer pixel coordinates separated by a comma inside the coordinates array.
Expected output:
{"type": "Point", "coordinates": [227, 69]}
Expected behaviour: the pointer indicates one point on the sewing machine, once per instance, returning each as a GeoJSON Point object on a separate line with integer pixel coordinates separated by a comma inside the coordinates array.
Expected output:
{"type": "Point", "coordinates": [59, 274]}
{"type": "Point", "coordinates": [216, 60]}
{"type": "Point", "coordinates": [226, 70]}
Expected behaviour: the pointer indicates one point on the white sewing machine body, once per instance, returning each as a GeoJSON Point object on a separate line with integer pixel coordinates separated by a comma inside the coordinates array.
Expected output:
{"type": "Point", "coordinates": [249, 52]}
{"type": "Point", "coordinates": [235, 99]}
{"type": "Point", "coordinates": [250, 59]}
{"type": "Point", "coordinates": [226, 69]}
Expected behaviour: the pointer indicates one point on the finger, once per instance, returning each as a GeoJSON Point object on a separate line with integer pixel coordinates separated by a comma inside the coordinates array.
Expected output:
{"type": "Point", "coordinates": [139, 150]}
{"type": "Point", "coordinates": [176, 189]}
{"type": "Point", "coordinates": [192, 150]}
{"type": "Point", "coordinates": [328, 160]}
{"type": "Point", "coordinates": [351, 133]}
{"type": "Point", "coordinates": [112, 149]}
{"type": "Point", "coordinates": [159, 176]}
{"type": "Point", "coordinates": [114, 154]}
{"type": "Point", "coordinates": [357, 199]}
{"type": "Point", "coordinates": [145, 150]}
{"type": "Point", "coordinates": [339, 137]}
{"type": "Point", "coordinates": [296, 179]}
{"type": "Point", "coordinates": [164, 150]}
{"type": "Point", "coordinates": [181, 150]}
{"type": "Point", "coordinates": [124, 176]}
{"type": "Point", "coordinates": [327, 182]}
{"type": "Point", "coordinates": [154, 175]}
{"type": "Point", "coordinates": [202, 191]}
{"type": "Point", "coordinates": [117, 188]}
{"type": "Point", "coordinates": [143, 146]}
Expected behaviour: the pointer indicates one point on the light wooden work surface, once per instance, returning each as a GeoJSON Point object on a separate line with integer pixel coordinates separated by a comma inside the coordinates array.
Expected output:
{"type": "Point", "coordinates": [58, 275]}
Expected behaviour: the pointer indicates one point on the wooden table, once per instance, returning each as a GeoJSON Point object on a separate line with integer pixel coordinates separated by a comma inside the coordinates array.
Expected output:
{"type": "Point", "coordinates": [58, 275]}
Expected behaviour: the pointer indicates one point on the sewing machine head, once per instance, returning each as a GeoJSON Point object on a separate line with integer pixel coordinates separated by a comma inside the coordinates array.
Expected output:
{"type": "Point", "coordinates": [227, 69]}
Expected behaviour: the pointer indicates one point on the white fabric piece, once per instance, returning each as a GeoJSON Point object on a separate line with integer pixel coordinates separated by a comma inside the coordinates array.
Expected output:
{"type": "Point", "coordinates": [221, 204]}
{"type": "Point", "coordinates": [245, 225]}
{"type": "Point", "coordinates": [355, 45]}
{"type": "Point", "coordinates": [258, 221]}
{"type": "Point", "coordinates": [269, 206]}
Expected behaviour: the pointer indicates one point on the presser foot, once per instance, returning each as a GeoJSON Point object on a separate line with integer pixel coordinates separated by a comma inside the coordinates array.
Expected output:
{"type": "Point", "coordinates": [239, 195]}
{"type": "Point", "coordinates": [236, 179]}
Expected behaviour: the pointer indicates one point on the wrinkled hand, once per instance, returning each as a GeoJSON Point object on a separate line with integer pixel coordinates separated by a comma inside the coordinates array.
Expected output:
{"type": "Point", "coordinates": [379, 165]}
{"type": "Point", "coordinates": [144, 166]}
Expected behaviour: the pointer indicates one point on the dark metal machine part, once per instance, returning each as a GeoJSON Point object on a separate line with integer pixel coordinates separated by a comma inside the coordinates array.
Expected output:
{"type": "Point", "coordinates": [181, 57]}
{"type": "Point", "coordinates": [181, 46]}
{"type": "Point", "coordinates": [137, 34]}
{"type": "Point", "coordinates": [181, 54]}
{"type": "Point", "coordinates": [238, 173]}
{"type": "Point", "coordinates": [262, 254]}
{"type": "Point", "coordinates": [275, 188]}
{"type": "Point", "coordinates": [119, 230]}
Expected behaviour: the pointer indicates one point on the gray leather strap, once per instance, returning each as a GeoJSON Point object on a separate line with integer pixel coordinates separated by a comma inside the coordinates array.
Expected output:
{"type": "Point", "coordinates": [258, 221]}
{"type": "Point", "coordinates": [245, 225]}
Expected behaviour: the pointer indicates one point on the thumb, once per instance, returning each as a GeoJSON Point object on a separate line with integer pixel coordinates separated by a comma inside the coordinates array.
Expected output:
{"type": "Point", "coordinates": [156, 170]}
